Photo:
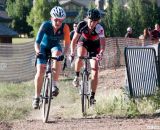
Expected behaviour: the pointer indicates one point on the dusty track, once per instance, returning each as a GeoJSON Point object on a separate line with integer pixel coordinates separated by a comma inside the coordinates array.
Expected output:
{"type": "Point", "coordinates": [108, 79]}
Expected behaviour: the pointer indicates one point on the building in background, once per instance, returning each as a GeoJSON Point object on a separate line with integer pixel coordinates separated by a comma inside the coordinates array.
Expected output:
{"type": "Point", "coordinates": [73, 7]}
{"type": "Point", "coordinates": [6, 33]}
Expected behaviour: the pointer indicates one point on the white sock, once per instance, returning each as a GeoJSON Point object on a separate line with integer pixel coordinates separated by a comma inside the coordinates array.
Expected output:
{"type": "Point", "coordinates": [54, 83]}
{"type": "Point", "coordinates": [77, 77]}
{"type": "Point", "coordinates": [36, 96]}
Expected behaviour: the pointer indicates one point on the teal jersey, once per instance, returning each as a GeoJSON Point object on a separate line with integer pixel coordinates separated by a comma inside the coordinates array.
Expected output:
{"type": "Point", "coordinates": [46, 36]}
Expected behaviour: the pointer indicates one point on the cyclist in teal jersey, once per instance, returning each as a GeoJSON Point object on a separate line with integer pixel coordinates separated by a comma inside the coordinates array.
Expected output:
{"type": "Point", "coordinates": [48, 41]}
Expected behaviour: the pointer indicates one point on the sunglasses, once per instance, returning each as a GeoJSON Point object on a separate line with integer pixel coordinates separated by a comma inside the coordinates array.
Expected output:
{"type": "Point", "coordinates": [57, 20]}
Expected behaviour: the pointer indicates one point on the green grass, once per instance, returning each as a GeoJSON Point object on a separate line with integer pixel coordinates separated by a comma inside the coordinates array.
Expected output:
{"type": "Point", "coordinates": [21, 40]}
{"type": "Point", "coordinates": [16, 100]}
{"type": "Point", "coordinates": [116, 103]}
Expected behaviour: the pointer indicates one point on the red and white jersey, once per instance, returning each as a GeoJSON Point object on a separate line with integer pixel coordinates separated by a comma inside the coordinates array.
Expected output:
{"type": "Point", "coordinates": [95, 34]}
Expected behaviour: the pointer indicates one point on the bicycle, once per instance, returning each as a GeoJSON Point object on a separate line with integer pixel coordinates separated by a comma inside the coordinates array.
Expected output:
{"type": "Point", "coordinates": [85, 88]}
{"type": "Point", "coordinates": [46, 92]}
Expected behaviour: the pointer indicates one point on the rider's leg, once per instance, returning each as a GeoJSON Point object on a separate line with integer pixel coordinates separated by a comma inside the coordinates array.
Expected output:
{"type": "Point", "coordinates": [38, 81]}
{"type": "Point", "coordinates": [81, 51]}
{"type": "Point", "coordinates": [56, 65]}
{"type": "Point", "coordinates": [56, 51]}
{"type": "Point", "coordinates": [94, 78]}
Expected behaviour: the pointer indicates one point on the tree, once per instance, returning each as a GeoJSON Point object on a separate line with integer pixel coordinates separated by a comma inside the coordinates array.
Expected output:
{"type": "Point", "coordinates": [134, 16]}
{"type": "Point", "coordinates": [142, 14]}
{"type": "Point", "coordinates": [138, 14]}
{"type": "Point", "coordinates": [81, 15]}
{"type": "Point", "coordinates": [91, 5]}
{"type": "Point", "coordinates": [18, 11]}
{"type": "Point", "coordinates": [107, 20]}
{"type": "Point", "coordinates": [119, 19]}
{"type": "Point", "coordinates": [39, 13]}
{"type": "Point", "coordinates": [155, 16]}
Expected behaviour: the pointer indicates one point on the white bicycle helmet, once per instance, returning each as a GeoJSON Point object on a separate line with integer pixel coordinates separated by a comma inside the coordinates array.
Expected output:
{"type": "Point", "coordinates": [129, 29]}
{"type": "Point", "coordinates": [58, 12]}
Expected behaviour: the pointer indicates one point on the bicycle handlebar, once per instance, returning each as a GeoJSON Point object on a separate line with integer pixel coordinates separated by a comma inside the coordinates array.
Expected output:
{"type": "Point", "coordinates": [86, 57]}
{"type": "Point", "coordinates": [41, 55]}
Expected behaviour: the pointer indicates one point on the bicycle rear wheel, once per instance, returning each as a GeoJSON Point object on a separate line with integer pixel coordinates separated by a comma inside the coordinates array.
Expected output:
{"type": "Point", "coordinates": [84, 94]}
{"type": "Point", "coordinates": [46, 97]}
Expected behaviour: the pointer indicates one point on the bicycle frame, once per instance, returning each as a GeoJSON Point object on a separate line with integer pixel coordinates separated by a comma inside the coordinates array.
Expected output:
{"type": "Point", "coordinates": [46, 92]}
{"type": "Point", "coordinates": [85, 88]}
{"type": "Point", "coordinates": [47, 89]}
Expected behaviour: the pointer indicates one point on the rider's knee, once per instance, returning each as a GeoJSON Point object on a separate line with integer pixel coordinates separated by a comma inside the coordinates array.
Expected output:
{"type": "Point", "coordinates": [40, 72]}
{"type": "Point", "coordinates": [94, 72]}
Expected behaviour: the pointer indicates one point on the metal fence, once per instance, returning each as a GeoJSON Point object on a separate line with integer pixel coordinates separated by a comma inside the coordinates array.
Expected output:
{"type": "Point", "coordinates": [142, 71]}
{"type": "Point", "coordinates": [17, 61]}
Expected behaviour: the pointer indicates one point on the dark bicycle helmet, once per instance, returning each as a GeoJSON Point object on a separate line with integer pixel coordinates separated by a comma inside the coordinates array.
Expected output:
{"type": "Point", "coordinates": [93, 14]}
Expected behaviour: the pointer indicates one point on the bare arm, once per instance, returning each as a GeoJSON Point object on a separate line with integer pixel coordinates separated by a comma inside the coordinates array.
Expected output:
{"type": "Point", "coordinates": [37, 48]}
{"type": "Point", "coordinates": [100, 31]}
{"type": "Point", "coordinates": [102, 45]}
{"type": "Point", "coordinates": [66, 38]}
{"type": "Point", "coordinates": [74, 42]}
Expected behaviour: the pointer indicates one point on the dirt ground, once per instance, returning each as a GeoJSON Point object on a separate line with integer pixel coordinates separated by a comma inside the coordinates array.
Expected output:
{"type": "Point", "coordinates": [108, 78]}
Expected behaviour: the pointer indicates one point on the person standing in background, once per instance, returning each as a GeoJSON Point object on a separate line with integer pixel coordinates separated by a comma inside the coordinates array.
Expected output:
{"type": "Point", "coordinates": [146, 36]}
{"type": "Point", "coordinates": [129, 33]}
{"type": "Point", "coordinates": [73, 31]}
{"type": "Point", "coordinates": [155, 34]}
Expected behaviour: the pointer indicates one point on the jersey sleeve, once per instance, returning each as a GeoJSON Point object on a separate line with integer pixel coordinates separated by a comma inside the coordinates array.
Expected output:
{"type": "Point", "coordinates": [100, 31]}
{"type": "Point", "coordinates": [80, 27]}
{"type": "Point", "coordinates": [66, 31]}
{"type": "Point", "coordinates": [40, 33]}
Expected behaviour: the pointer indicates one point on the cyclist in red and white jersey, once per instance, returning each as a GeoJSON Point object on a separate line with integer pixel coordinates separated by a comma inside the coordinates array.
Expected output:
{"type": "Point", "coordinates": [89, 37]}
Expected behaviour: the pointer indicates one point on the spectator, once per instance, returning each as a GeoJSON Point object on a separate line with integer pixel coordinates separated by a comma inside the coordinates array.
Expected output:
{"type": "Point", "coordinates": [129, 33]}
{"type": "Point", "coordinates": [74, 29]}
{"type": "Point", "coordinates": [146, 36]}
{"type": "Point", "coordinates": [155, 34]}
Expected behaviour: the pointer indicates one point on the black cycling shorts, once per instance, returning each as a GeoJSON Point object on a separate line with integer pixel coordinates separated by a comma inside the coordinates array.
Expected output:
{"type": "Point", "coordinates": [93, 47]}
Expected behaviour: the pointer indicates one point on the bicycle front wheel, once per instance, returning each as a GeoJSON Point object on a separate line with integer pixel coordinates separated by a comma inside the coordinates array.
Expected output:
{"type": "Point", "coordinates": [46, 97]}
{"type": "Point", "coordinates": [84, 94]}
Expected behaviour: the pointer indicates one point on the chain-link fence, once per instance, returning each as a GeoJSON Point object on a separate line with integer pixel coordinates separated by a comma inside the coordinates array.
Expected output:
{"type": "Point", "coordinates": [17, 61]}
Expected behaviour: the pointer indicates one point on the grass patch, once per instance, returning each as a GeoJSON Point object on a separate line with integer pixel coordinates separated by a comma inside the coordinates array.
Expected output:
{"type": "Point", "coordinates": [118, 104]}
{"type": "Point", "coordinates": [15, 100]}
{"type": "Point", "coordinates": [21, 40]}
{"type": "Point", "coordinates": [115, 103]}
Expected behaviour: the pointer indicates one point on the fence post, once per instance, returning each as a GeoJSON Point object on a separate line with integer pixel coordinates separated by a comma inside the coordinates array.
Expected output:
{"type": "Point", "coordinates": [118, 53]}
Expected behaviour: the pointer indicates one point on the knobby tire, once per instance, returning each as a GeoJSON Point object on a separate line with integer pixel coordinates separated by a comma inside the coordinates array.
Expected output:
{"type": "Point", "coordinates": [46, 97]}
{"type": "Point", "coordinates": [84, 96]}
